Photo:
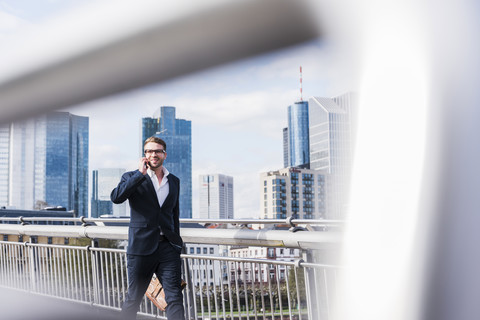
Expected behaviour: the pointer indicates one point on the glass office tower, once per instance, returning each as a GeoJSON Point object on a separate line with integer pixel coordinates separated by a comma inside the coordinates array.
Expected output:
{"type": "Point", "coordinates": [332, 128]}
{"type": "Point", "coordinates": [104, 180]}
{"type": "Point", "coordinates": [50, 154]}
{"type": "Point", "coordinates": [298, 135]}
{"type": "Point", "coordinates": [177, 134]}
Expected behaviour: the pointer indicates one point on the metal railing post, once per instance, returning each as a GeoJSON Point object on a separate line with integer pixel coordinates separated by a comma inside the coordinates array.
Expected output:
{"type": "Point", "coordinates": [312, 311]}
{"type": "Point", "coordinates": [32, 267]}
{"type": "Point", "coordinates": [95, 273]}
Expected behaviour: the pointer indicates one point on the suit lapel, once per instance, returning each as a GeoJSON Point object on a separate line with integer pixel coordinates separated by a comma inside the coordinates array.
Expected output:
{"type": "Point", "coordinates": [172, 187]}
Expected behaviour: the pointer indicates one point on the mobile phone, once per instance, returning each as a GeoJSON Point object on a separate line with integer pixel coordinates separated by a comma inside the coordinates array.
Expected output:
{"type": "Point", "coordinates": [145, 164]}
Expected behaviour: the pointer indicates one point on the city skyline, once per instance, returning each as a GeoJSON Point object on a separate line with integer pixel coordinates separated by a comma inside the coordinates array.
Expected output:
{"type": "Point", "coordinates": [237, 131]}
{"type": "Point", "coordinates": [237, 110]}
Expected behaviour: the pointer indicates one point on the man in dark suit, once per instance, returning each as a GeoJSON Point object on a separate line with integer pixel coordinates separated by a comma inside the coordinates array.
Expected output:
{"type": "Point", "coordinates": [154, 242]}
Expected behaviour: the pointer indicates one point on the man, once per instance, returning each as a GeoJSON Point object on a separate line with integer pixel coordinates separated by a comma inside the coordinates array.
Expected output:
{"type": "Point", "coordinates": [154, 242]}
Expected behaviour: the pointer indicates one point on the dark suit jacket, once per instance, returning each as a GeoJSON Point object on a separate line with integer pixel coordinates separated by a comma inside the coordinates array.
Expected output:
{"type": "Point", "coordinates": [146, 215]}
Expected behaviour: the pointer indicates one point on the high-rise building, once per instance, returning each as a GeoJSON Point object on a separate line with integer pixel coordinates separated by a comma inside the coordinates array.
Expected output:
{"type": "Point", "coordinates": [177, 134]}
{"type": "Point", "coordinates": [286, 151]}
{"type": "Point", "coordinates": [332, 127]}
{"type": "Point", "coordinates": [4, 163]}
{"type": "Point", "coordinates": [48, 162]}
{"type": "Point", "coordinates": [293, 192]}
{"type": "Point", "coordinates": [216, 196]}
{"type": "Point", "coordinates": [103, 182]}
{"type": "Point", "coordinates": [298, 147]}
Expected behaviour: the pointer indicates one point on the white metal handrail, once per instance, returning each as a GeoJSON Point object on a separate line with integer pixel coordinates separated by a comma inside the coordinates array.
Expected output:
{"type": "Point", "coordinates": [246, 237]}
{"type": "Point", "coordinates": [288, 221]}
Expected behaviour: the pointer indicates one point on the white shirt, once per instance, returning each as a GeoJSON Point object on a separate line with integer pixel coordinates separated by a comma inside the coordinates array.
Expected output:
{"type": "Point", "coordinates": [161, 189]}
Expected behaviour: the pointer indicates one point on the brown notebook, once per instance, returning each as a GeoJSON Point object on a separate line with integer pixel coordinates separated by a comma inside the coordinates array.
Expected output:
{"type": "Point", "coordinates": [156, 293]}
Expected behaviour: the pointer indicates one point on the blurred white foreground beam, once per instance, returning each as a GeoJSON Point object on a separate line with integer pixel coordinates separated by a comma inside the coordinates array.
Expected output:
{"type": "Point", "coordinates": [121, 45]}
{"type": "Point", "coordinates": [411, 244]}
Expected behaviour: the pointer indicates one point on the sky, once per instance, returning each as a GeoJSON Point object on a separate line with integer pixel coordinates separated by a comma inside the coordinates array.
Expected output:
{"type": "Point", "coordinates": [237, 110]}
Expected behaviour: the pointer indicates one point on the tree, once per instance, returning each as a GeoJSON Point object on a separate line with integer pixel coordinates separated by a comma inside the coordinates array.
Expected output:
{"type": "Point", "coordinates": [41, 204]}
{"type": "Point", "coordinates": [293, 285]}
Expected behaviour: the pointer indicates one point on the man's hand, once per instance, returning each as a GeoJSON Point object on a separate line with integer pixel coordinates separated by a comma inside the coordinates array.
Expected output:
{"type": "Point", "coordinates": [143, 165]}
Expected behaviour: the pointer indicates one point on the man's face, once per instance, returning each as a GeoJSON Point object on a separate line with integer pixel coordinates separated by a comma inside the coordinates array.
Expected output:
{"type": "Point", "coordinates": [155, 154]}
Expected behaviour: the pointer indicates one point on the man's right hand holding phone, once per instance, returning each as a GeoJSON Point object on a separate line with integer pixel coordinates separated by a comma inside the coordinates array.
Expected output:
{"type": "Point", "coordinates": [143, 165]}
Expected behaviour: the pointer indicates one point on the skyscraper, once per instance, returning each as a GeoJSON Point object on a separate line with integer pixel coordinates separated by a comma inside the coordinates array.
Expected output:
{"type": "Point", "coordinates": [216, 196]}
{"type": "Point", "coordinates": [286, 151]}
{"type": "Point", "coordinates": [4, 163]}
{"type": "Point", "coordinates": [298, 147]}
{"type": "Point", "coordinates": [103, 182]}
{"type": "Point", "coordinates": [48, 162]}
{"type": "Point", "coordinates": [332, 127]}
{"type": "Point", "coordinates": [177, 134]}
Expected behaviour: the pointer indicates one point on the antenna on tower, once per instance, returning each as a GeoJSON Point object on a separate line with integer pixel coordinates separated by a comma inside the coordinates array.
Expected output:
{"type": "Point", "coordinates": [301, 90]}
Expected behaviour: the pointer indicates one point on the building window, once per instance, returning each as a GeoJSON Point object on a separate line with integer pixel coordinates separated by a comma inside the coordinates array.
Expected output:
{"type": "Point", "coordinates": [66, 241]}
{"type": "Point", "coordinates": [5, 237]}
{"type": "Point", "coordinates": [271, 252]}
{"type": "Point", "coordinates": [211, 250]}
{"type": "Point", "coordinates": [205, 250]}
{"type": "Point", "coordinates": [198, 250]}
{"type": "Point", "coordinates": [192, 250]}
{"type": "Point", "coordinates": [50, 240]}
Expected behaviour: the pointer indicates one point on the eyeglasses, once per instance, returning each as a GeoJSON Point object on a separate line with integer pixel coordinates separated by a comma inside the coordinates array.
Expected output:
{"type": "Point", "coordinates": [158, 152]}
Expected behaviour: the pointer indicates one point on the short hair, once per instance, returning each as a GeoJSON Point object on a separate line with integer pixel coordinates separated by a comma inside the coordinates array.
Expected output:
{"type": "Point", "coordinates": [156, 140]}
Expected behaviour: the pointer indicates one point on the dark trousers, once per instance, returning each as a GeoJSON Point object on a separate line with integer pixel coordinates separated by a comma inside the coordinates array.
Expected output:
{"type": "Point", "coordinates": [166, 264]}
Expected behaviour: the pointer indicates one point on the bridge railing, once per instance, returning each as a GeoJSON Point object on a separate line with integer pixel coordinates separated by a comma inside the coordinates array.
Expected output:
{"type": "Point", "coordinates": [219, 287]}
